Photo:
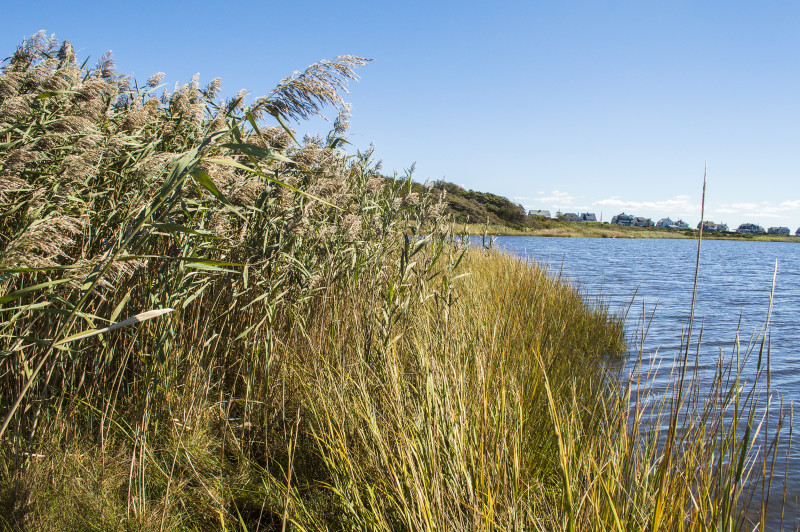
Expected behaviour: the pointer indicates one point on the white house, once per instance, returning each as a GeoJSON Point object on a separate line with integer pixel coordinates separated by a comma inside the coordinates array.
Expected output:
{"type": "Point", "coordinates": [664, 222]}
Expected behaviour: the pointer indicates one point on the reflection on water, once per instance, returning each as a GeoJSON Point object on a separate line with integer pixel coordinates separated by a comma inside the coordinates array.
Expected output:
{"type": "Point", "coordinates": [651, 282]}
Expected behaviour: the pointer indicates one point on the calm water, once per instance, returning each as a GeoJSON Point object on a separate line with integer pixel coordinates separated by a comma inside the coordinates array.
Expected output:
{"type": "Point", "coordinates": [652, 278]}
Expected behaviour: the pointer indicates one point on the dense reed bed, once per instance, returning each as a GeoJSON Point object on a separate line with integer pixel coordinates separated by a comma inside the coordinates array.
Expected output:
{"type": "Point", "coordinates": [208, 324]}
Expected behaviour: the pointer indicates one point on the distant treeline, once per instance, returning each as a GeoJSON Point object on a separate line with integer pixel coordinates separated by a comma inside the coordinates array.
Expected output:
{"type": "Point", "coordinates": [470, 206]}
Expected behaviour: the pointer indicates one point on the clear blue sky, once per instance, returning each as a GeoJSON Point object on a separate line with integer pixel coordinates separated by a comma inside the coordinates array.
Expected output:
{"type": "Point", "coordinates": [598, 106]}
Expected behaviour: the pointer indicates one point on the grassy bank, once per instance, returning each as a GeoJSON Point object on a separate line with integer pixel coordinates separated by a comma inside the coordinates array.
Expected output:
{"type": "Point", "coordinates": [499, 216]}
{"type": "Point", "coordinates": [577, 230]}
{"type": "Point", "coordinates": [208, 324]}
{"type": "Point", "coordinates": [604, 230]}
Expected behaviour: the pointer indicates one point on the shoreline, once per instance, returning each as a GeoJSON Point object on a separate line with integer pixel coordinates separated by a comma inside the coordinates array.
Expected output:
{"type": "Point", "coordinates": [605, 230]}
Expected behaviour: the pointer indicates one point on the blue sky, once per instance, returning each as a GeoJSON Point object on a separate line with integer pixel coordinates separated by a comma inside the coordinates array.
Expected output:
{"type": "Point", "coordinates": [598, 106]}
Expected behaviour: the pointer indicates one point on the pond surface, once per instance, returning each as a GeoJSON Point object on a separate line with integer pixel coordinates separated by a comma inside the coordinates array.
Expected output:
{"type": "Point", "coordinates": [651, 282]}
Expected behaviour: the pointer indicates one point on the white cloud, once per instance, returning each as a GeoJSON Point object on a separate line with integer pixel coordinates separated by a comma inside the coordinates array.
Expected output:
{"type": "Point", "coordinates": [678, 203]}
{"type": "Point", "coordinates": [792, 204]}
{"type": "Point", "coordinates": [556, 197]}
{"type": "Point", "coordinates": [765, 208]}
{"type": "Point", "coordinates": [763, 213]}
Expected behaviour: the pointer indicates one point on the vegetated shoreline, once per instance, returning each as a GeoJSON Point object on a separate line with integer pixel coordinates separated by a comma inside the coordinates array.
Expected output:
{"type": "Point", "coordinates": [604, 230]}
{"type": "Point", "coordinates": [211, 325]}
{"type": "Point", "coordinates": [487, 213]}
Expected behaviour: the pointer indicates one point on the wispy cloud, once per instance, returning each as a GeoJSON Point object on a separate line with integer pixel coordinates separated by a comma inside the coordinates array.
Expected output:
{"type": "Point", "coordinates": [764, 210]}
{"type": "Point", "coordinates": [678, 203]}
{"type": "Point", "coordinates": [793, 204]}
{"type": "Point", "coordinates": [556, 197]}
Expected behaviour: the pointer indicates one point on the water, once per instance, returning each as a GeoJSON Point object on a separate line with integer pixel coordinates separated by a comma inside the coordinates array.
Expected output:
{"type": "Point", "coordinates": [651, 280]}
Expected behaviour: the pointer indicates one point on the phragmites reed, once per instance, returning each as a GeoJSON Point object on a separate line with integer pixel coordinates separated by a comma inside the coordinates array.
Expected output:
{"type": "Point", "coordinates": [304, 94]}
{"type": "Point", "coordinates": [116, 202]}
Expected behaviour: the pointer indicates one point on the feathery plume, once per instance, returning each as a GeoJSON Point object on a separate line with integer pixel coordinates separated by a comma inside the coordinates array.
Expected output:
{"type": "Point", "coordinates": [374, 184]}
{"type": "Point", "coordinates": [342, 122]}
{"type": "Point", "coordinates": [9, 185]}
{"type": "Point", "coordinates": [74, 125]}
{"type": "Point", "coordinates": [303, 94]}
{"type": "Point", "coordinates": [105, 67]}
{"type": "Point", "coordinates": [66, 54]}
{"type": "Point", "coordinates": [42, 243]}
{"type": "Point", "coordinates": [155, 79]}
{"type": "Point", "coordinates": [15, 107]}
{"type": "Point", "coordinates": [212, 89]}
{"type": "Point", "coordinates": [91, 89]}
{"type": "Point", "coordinates": [9, 83]}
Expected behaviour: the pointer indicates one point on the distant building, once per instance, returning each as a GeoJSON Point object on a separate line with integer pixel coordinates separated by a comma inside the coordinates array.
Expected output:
{"type": "Point", "coordinates": [588, 217]}
{"type": "Point", "coordinates": [680, 224]}
{"type": "Point", "coordinates": [664, 222]}
{"type": "Point", "coordinates": [667, 223]}
{"type": "Point", "coordinates": [711, 227]}
{"type": "Point", "coordinates": [544, 214]}
{"type": "Point", "coordinates": [571, 217]}
{"type": "Point", "coordinates": [623, 219]}
{"type": "Point", "coordinates": [797, 233]}
{"type": "Point", "coordinates": [751, 229]}
{"type": "Point", "coordinates": [778, 231]}
{"type": "Point", "coordinates": [641, 221]}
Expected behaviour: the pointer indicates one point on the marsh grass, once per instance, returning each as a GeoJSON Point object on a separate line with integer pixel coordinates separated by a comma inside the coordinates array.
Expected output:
{"type": "Point", "coordinates": [209, 325]}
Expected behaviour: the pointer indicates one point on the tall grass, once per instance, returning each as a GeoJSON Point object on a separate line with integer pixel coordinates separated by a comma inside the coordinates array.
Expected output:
{"type": "Point", "coordinates": [210, 325]}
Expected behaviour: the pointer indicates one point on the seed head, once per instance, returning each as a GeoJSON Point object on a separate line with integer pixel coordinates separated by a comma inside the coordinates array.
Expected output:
{"type": "Point", "coordinates": [155, 79]}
